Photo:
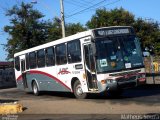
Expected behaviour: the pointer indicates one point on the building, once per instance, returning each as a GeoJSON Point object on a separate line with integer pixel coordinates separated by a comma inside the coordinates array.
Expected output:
{"type": "Point", "coordinates": [7, 76]}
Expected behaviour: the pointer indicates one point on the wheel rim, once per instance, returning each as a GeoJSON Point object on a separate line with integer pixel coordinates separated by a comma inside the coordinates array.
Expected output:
{"type": "Point", "coordinates": [35, 89]}
{"type": "Point", "coordinates": [79, 90]}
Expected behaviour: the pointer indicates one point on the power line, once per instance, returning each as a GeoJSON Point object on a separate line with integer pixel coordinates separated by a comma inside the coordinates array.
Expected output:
{"type": "Point", "coordinates": [85, 9]}
{"type": "Point", "coordinates": [82, 6]}
{"type": "Point", "coordinates": [80, 2]}
{"type": "Point", "coordinates": [90, 2]}
{"type": "Point", "coordinates": [73, 3]}
{"type": "Point", "coordinates": [93, 8]}
{"type": "Point", "coordinates": [107, 4]}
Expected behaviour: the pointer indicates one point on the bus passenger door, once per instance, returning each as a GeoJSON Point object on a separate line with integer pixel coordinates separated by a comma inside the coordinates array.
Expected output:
{"type": "Point", "coordinates": [24, 78]}
{"type": "Point", "coordinates": [90, 70]}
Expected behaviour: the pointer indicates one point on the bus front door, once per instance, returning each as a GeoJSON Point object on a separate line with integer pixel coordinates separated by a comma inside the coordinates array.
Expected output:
{"type": "Point", "coordinates": [90, 67]}
{"type": "Point", "coordinates": [24, 78]}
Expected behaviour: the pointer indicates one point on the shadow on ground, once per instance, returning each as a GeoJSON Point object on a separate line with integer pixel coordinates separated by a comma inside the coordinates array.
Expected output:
{"type": "Point", "coordinates": [140, 91]}
{"type": "Point", "coordinates": [7, 101]}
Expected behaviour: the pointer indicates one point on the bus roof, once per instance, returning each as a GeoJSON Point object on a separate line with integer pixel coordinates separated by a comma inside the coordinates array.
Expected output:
{"type": "Point", "coordinates": [62, 40]}
{"type": "Point", "coordinates": [55, 42]}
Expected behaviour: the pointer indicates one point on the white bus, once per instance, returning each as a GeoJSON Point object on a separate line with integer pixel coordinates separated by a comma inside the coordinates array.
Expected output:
{"type": "Point", "coordinates": [106, 59]}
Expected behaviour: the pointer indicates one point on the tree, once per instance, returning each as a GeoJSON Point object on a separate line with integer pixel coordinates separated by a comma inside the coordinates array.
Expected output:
{"type": "Point", "coordinates": [148, 32]}
{"type": "Point", "coordinates": [73, 28]}
{"type": "Point", "coordinates": [26, 29]}
{"type": "Point", "coordinates": [104, 18]}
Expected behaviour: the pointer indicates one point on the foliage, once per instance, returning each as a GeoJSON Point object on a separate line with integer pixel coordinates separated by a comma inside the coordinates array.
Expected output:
{"type": "Point", "coordinates": [27, 29]}
{"type": "Point", "coordinates": [148, 32]}
{"type": "Point", "coordinates": [73, 28]}
{"type": "Point", "coordinates": [115, 17]}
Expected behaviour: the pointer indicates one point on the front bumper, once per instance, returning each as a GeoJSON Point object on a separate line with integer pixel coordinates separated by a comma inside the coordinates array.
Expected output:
{"type": "Point", "coordinates": [121, 85]}
{"type": "Point", "coordinates": [124, 83]}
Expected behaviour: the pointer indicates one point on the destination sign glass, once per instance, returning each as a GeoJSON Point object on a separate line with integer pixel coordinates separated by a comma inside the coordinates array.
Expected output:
{"type": "Point", "coordinates": [113, 31]}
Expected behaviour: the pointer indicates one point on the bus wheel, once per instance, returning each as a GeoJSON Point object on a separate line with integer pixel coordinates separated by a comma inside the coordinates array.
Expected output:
{"type": "Point", "coordinates": [78, 92]}
{"type": "Point", "coordinates": [35, 89]}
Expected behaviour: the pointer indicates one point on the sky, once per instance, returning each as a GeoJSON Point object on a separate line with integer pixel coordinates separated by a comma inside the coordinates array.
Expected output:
{"type": "Point", "coordinates": [77, 11]}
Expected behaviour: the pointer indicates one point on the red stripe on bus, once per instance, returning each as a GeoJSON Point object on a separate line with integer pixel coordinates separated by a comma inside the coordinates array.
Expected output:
{"type": "Point", "coordinates": [19, 78]}
{"type": "Point", "coordinates": [43, 73]}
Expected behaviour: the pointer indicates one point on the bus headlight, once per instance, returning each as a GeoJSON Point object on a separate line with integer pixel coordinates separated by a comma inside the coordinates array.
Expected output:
{"type": "Point", "coordinates": [108, 81]}
{"type": "Point", "coordinates": [111, 81]}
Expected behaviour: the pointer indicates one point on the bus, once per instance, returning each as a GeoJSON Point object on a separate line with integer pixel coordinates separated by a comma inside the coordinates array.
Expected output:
{"type": "Point", "coordinates": [102, 60]}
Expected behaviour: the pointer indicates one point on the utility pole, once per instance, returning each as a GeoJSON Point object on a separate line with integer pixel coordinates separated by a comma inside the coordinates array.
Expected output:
{"type": "Point", "coordinates": [62, 18]}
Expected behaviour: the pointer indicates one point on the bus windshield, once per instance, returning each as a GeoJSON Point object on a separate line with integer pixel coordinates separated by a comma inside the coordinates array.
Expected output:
{"type": "Point", "coordinates": [118, 53]}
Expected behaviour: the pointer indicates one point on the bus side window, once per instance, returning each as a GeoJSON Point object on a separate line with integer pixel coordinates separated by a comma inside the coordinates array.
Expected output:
{"type": "Point", "coordinates": [17, 63]}
{"type": "Point", "coordinates": [27, 61]}
{"type": "Point", "coordinates": [74, 51]}
{"type": "Point", "coordinates": [32, 60]}
{"type": "Point", "coordinates": [41, 58]}
{"type": "Point", "coordinates": [61, 54]}
{"type": "Point", "coordinates": [50, 56]}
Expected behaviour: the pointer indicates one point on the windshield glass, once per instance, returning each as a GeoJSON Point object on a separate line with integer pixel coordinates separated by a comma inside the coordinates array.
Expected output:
{"type": "Point", "coordinates": [118, 53]}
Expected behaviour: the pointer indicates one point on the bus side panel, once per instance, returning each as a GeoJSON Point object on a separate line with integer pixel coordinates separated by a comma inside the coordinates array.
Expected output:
{"type": "Point", "coordinates": [47, 81]}
{"type": "Point", "coordinates": [76, 74]}
{"type": "Point", "coordinates": [19, 81]}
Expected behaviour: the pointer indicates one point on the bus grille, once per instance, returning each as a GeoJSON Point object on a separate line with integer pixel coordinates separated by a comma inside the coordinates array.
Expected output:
{"type": "Point", "coordinates": [123, 79]}
{"type": "Point", "coordinates": [125, 73]}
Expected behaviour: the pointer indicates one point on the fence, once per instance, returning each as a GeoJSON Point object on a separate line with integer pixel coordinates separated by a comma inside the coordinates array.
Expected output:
{"type": "Point", "coordinates": [150, 68]}
{"type": "Point", "coordinates": [7, 78]}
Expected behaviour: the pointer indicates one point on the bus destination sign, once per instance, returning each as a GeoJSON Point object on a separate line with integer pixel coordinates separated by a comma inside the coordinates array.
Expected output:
{"type": "Point", "coordinates": [108, 32]}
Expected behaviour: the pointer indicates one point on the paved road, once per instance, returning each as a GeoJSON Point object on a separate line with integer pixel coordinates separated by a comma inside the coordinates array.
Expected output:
{"type": "Point", "coordinates": [141, 100]}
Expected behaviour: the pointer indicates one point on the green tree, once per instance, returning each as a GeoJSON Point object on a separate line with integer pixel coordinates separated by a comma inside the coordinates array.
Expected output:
{"type": "Point", "coordinates": [148, 32]}
{"type": "Point", "coordinates": [115, 17]}
{"type": "Point", "coordinates": [55, 30]}
{"type": "Point", "coordinates": [73, 28]}
{"type": "Point", "coordinates": [25, 29]}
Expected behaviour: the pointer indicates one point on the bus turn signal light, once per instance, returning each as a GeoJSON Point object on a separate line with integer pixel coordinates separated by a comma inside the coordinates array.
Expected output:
{"type": "Point", "coordinates": [103, 81]}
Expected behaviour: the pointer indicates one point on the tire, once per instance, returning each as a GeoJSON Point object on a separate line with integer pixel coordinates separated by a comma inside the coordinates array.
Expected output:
{"type": "Point", "coordinates": [77, 89]}
{"type": "Point", "coordinates": [35, 89]}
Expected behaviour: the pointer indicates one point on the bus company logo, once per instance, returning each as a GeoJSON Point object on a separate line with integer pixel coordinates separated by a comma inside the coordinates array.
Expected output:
{"type": "Point", "coordinates": [63, 71]}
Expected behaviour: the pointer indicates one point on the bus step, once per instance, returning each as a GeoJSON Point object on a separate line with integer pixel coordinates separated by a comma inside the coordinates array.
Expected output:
{"type": "Point", "coordinates": [93, 89]}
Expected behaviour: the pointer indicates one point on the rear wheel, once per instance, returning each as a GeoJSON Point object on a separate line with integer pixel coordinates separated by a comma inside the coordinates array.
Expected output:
{"type": "Point", "coordinates": [35, 89]}
{"type": "Point", "coordinates": [78, 92]}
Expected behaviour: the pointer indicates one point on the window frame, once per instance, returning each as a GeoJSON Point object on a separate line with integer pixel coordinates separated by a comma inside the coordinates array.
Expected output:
{"type": "Point", "coordinates": [65, 60]}
{"type": "Point", "coordinates": [77, 40]}
{"type": "Point", "coordinates": [41, 59]}
{"type": "Point", "coordinates": [15, 63]}
{"type": "Point", "coordinates": [53, 56]}
{"type": "Point", "coordinates": [27, 61]}
{"type": "Point", "coordinates": [32, 60]}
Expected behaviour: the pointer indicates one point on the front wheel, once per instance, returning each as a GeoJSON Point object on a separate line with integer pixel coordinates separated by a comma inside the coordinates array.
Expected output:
{"type": "Point", "coordinates": [78, 92]}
